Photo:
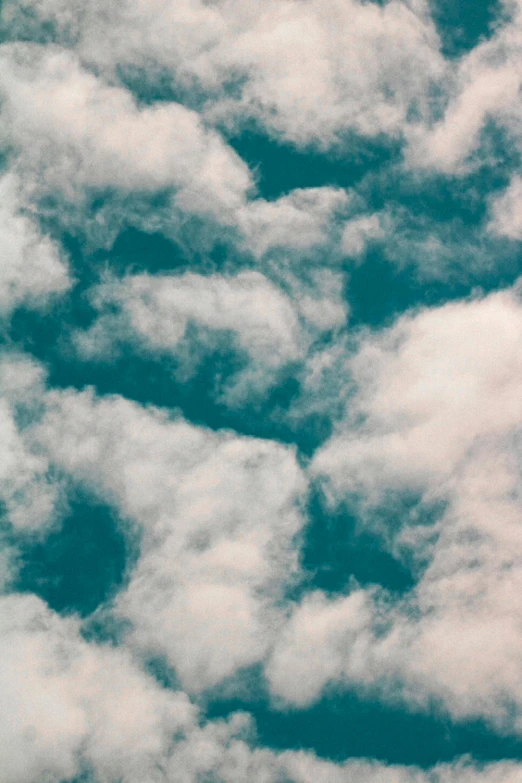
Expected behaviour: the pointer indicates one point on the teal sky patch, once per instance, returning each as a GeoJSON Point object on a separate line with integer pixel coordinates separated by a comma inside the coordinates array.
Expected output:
{"type": "Point", "coordinates": [464, 24]}
{"type": "Point", "coordinates": [80, 565]}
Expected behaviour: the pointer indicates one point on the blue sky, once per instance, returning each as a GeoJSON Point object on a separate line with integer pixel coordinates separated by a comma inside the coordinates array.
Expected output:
{"type": "Point", "coordinates": [260, 383]}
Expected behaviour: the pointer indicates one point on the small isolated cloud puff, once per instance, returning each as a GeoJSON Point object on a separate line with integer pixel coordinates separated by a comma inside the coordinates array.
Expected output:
{"type": "Point", "coordinates": [359, 232]}
{"type": "Point", "coordinates": [312, 649]}
{"type": "Point", "coordinates": [156, 310]}
{"type": "Point", "coordinates": [506, 211]}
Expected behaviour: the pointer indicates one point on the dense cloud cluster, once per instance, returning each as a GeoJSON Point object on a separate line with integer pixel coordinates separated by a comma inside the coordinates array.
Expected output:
{"type": "Point", "coordinates": [345, 343]}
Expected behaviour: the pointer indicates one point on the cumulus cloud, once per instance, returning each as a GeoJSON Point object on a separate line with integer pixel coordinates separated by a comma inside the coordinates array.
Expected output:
{"type": "Point", "coordinates": [32, 267]}
{"type": "Point", "coordinates": [73, 707]}
{"type": "Point", "coordinates": [484, 87]}
{"type": "Point", "coordinates": [271, 327]}
{"type": "Point", "coordinates": [309, 72]}
{"type": "Point", "coordinates": [123, 113]}
{"type": "Point", "coordinates": [300, 221]}
{"type": "Point", "coordinates": [219, 514]}
{"type": "Point", "coordinates": [358, 232]}
{"type": "Point", "coordinates": [158, 309]}
{"type": "Point", "coordinates": [69, 704]}
{"type": "Point", "coordinates": [506, 212]}
{"type": "Point", "coordinates": [434, 414]}
{"type": "Point", "coordinates": [482, 101]}
{"type": "Point", "coordinates": [73, 130]}
{"type": "Point", "coordinates": [72, 137]}
{"type": "Point", "coordinates": [29, 494]}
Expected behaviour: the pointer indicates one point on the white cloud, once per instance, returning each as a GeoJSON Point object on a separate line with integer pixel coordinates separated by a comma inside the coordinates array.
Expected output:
{"type": "Point", "coordinates": [67, 702]}
{"type": "Point", "coordinates": [158, 309]}
{"type": "Point", "coordinates": [435, 411]}
{"type": "Point", "coordinates": [219, 515]}
{"type": "Point", "coordinates": [73, 131]}
{"type": "Point", "coordinates": [71, 706]}
{"type": "Point", "coordinates": [30, 497]}
{"type": "Point", "coordinates": [304, 768]}
{"type": "Point", "coordinates": [31, 267]}
{"type": "Point", "coordinates": [506, 211]}
{"type": "Point", "coordinates": [273, 328]}
{"type": "Point", "coordinates": [428, 388]}
{"type": "Point", "coordinates": [308, 71]}
{"type": "Point", "coordinates": [300, 221]}
{"type": "Point", "coordinates": [313, 647]}
{"type": "Point", "coordinates": [484, 88]}
{"type": "Point", "coordinates": [431, 406]}
{"type": "Point", "coordinates": [358, 232]}
{"type": "Point", "coordinates": [72, 135]}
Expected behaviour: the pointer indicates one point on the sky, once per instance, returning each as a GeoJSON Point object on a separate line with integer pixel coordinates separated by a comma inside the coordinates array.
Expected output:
{"type": "Point", "coordinates": [261, 391]}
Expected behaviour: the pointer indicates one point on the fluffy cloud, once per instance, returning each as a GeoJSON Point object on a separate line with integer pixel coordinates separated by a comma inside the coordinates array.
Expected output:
{"type": "Point", "coordinates": [72, 136]}
{"type": "Point", "coordinates": [506, 212]}
{"type": "Point", "coordinates": [31, 266]}
{"type": "Point", "coordinates": [73, 131]}
{"type": "Point", "coordinates": [273, 329]}
{"type": "Point", "coordinates": [484, 87]}
{"type": "Point", "coordinates": [158, 309]}
{"type": "Point", "coordinates": [307, 71]}
{"type": "Point", "coordinates": [219, 514]}
{"type": "Point", "coordinates": [117, 114]}
{"type": "Point", "coordinates": [482, 95]}
{"type": "Point", "coordinates": [428, 389]}
{"type": "Point", "coordinates": [72, 707]}
{"type": "Point", "coordinates": [68, 703]}
{"type": "Point", "coordinates": [29, 494]}
{"type": "Point", "coordinates": [357, 233]}
{"type": "Point", "coordinates": [434, 413]}
{"type": "Point", "coordinates": [314, 646]}
{"type": "Point", "coordinates": [300, 221]}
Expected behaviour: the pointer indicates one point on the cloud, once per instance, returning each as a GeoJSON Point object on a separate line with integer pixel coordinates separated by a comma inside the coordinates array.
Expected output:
{"type": "Point", "coordinates": [485, 87]}
{"type": "Point", "coordinates": [358, 232]}
{"type": "Point", "coordinates": [69, 703]}
{"type": "Point", "coordinates": [71, 706]}
{"type": "Point", "coordinates": [314, 646]}
{"type": "Point", "coordinates": [309, 72]}
{"type": "Point", "coordinates": [506, 220]}
{"type": "Point", "coordinates": [74, 132]}
{"type": "Point", "coordinates": [300, 221]}
{"type": "Point", "coordinates": [155, 313]}
{"type": "Point", "coordinates": [158, 309]}
{"type": "Point", "coordinates": [434, 414]}
{"type": "Point", "coordinates": [219, 514]}
{"type": "Point", "coordinates": [118, 114]}
{"type": "Point", "coordinates": [73, 137]}
{"type": "Point", "coordinates": [29, 494]}
{"type": "Point", "coordinates": [32, 267]}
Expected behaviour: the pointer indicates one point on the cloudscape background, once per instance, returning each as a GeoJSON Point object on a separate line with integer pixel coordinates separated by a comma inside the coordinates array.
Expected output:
{"type": "Point", "coordinates": [261, 391]}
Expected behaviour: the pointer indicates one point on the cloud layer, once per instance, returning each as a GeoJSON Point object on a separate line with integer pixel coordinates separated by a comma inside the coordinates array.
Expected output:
{"type": "Point", "coordinates": [232, 354]}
